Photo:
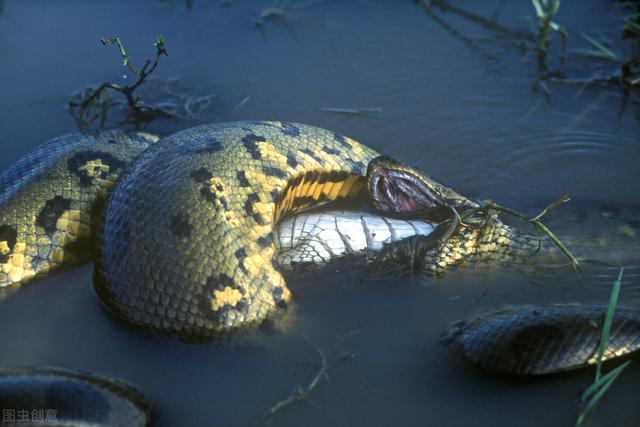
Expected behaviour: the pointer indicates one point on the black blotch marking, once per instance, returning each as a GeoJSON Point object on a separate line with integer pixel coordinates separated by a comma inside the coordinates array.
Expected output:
{"type": "Point", "coordinates": [311, 154]}
{"type": "Point", "coordinates": [265, 241]}
{"type": "Point", "coordinates": [10, 235]}
{"type": "Point", "coordinates": [291, 160]}
{"type": "Point", "coordinates": [342, 141]}
{"type": "Point", "coordinates": [290, 130]}
{"type": "Point", "coordinates": [250, 209]}
{"type": "Point", "coordinates": [180, 225]}
{"type": "Point", "coordinates": [248, 205]}
{"type": "Point", "coordinates": [278, 296]}
{"type": "Point", "coordinates": [242, 178]}
{"type": "Point", "coordinates": [215, 282]}
{"type": "Point", "coordinates": [52, 210]}
{"type": "Point", "coordinates": [207, 194]}
{"type": "Point", "coordinates": [310, 177]}
{"type": "Point", "coordinates": [201, 175]}
{"type": "Point", "coordinates": [333, 176]}
{"type": "Point", "coordinates": [297, 180]}
{"type": "Point", "coordinates": [78, 160]}
{"type": "Point", "coordinates": [111, 141]}
{"type": "Point", "coordinates": [240, 255]}
{"type": "Point", "coordinates": [250, 142]}
{"type": "Point", "coordinates": [358, 167]}
{"type": "Point", "coordinates": [330, 150]}
{"type": "Point", "coordinates": [220, 282]}
{"type": "Point", "coordinates": [532, 338]}
{"type": "Point", "coordinates": [303, 202]}
{"type": "Point", "coordinates": [271, 171]}
{"type": "Point", "coordinates": [242, 307]}
{"type": "Point", "coordinates": [224, 203]}
{"type": "Point", "coordinates": [209, 145]}
{"type": "Point", "coordinates": [211, 197]}
{"type": "Point", "coordinates": [80, 247]}
{"type": "Point", "coordinates": [275, 195]}
{"type": "Point", "coordinates": [223, 312]}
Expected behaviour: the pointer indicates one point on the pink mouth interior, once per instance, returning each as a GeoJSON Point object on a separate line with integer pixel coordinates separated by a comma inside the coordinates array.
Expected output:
{"type": "Point", "coordinates": [402, 194]}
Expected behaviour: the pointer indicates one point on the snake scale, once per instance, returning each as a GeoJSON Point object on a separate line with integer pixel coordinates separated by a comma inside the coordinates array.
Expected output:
{"type": "Point", "coordinates": [192, 231]}
{"type": "Point", "coordinates": [186, 246]}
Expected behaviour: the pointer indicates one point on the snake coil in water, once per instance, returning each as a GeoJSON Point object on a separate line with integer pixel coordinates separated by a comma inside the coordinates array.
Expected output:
{"type": "Point", "coordinates": [187, 227]}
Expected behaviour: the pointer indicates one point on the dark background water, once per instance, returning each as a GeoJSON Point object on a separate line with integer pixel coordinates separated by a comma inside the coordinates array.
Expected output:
{"type": "Point", "coordinates": [457, 102]}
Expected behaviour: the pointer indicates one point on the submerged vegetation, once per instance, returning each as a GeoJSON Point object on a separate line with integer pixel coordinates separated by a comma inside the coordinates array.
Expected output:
{"type": "Point", "coordinates": [540, 41]}
{"type": "Point", "coordinates": [546, 11]}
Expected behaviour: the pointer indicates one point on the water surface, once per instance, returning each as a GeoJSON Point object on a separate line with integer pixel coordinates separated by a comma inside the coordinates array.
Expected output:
{"type": "Point", "coordinates": [457, 104]}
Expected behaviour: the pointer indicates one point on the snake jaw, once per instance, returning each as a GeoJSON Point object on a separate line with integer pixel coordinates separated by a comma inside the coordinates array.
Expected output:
{"type": "Point", "coordinates": [395, 191]}
{"type": "Point", "coordinates": [396, 188]}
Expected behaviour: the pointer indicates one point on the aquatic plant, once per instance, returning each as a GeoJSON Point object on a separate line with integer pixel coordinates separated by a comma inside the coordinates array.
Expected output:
{"type": "Point", "coordinates": [539, 41]}
{"type": "Point", "coordinates": [546, 11]}
{"type": "Point", "coordinates": [594, 393]}
{"type": "Point", "coordinates": [92, 104]}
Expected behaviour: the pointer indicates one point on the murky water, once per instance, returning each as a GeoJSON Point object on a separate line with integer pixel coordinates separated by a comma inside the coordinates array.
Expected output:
{"type": "Point", "coordinates": [457, 102]}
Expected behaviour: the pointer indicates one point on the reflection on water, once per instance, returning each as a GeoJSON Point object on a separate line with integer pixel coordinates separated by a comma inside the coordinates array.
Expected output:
{"type": "Point", "coordinates": [465, 114]}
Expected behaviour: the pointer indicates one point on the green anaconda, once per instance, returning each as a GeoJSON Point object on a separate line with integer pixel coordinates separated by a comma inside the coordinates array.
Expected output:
{"type": "Point", "coordinates": [200, 224]}
{"type": "Point", "coordinates": [533, 340]}
{"type": "Point", "coordinates": [50, 396]}
{"type": "Point", "coordinates": [187, 245]}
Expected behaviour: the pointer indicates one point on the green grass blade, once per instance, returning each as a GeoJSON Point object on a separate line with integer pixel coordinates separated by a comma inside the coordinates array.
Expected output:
{"type": "Point", "coordinates": [601, 392]}
{"type": "Point", "coordinates": [596, 385]}
{"type": "Point", "coordinates": [608, 318]}
{"type": "Point", "coordinates": [602, 48]}
{"type": "Point", "coordinates": [601, 384]}
{"type": "Point", "coordinates": [592, 54]}
{"type": "Point", "coordinates": [538, 7]}
{"type": "Point", "coordinates": [629, 24]}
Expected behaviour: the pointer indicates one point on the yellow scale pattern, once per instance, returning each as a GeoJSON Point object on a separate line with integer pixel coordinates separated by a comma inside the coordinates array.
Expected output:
{"type": "Point", "coordinates": [187, 243]}
{"type": "Point", "coordinates": [48, 198]}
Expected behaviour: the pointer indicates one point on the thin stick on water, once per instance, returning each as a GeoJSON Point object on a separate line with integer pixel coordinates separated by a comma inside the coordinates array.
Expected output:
{"type": "Point", "coordinates": [92, 104]}
{"type": "Point", "coordinates": [302, 394]}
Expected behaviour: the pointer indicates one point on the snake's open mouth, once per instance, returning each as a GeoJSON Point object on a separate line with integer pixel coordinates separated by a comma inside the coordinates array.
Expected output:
{"type": "Point", "coordinates": [401, 192]}
{"type": "Point", "coordinates": [399, 189]}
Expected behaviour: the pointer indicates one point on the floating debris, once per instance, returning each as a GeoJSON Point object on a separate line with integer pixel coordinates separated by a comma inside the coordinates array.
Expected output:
{"type": "Point", "coordinates": [353, 111]}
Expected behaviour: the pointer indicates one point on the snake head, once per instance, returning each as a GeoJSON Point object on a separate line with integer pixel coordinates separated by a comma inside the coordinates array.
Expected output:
{"type": "Point", "coordinates": [397, 188]}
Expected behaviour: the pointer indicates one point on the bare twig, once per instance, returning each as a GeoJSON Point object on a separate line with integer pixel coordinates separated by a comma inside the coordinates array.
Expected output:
{"type": "Point", "coordinates": [536, 221]}
{"type": "Point", "coordinates": [302, 394]}
{"type": "Point", "coordinates": [92, 104]}
{"type": "Point", "coordinates": [352, 111]}
{"type": "Point", "coordinates": [562, 199]}
{"type": "Point", "coordinates": [488, 24]}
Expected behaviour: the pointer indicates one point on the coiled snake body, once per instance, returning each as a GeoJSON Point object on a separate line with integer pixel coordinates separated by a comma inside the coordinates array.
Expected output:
{"type": "Point", "coordinates": [189, 244]}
